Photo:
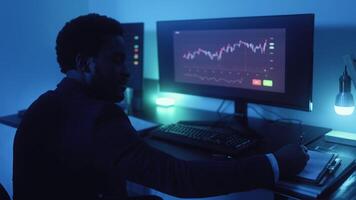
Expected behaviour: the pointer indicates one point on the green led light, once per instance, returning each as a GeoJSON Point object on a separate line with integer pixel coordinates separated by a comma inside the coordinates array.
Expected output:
{"type": "Point", "coordinates": [136, 37]}
{"type": "Point", "coordinates": [136, 46]}
{"type": "Point", "coordinates": [267, 83]}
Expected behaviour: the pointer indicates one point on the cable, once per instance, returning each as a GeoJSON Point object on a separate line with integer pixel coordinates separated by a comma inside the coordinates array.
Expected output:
{"type": "Point", "coordinates": [280, 119]}
{"type": "Point", "coordinates": [259, 114]}
{"type": "Point", "coordinates": [220, 106]}
{"type": "Point", "coordinates": [224, 121]}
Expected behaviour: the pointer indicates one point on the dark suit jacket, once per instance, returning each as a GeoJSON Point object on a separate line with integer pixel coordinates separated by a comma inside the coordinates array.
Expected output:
{"type": "Point", "coordinates": [72, 146]}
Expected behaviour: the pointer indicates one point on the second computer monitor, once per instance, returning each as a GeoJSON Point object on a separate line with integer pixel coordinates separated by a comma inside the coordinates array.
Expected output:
{"type": "Point", "coordinates": [133, 36]}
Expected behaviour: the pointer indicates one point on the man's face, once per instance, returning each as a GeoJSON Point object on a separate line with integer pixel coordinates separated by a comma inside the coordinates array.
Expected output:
{"type": "Point", "coordinates": [111, 74]}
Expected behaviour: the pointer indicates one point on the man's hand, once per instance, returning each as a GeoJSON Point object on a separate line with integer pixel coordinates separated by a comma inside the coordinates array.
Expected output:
{"type": "Point", "coordinates": [291, 159]}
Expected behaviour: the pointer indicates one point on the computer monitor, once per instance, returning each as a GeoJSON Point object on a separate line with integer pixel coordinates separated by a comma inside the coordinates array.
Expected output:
{"type": "Point", "coordinates": [263, 60]}
{"type": "Point", "coordinates": [133, 36]}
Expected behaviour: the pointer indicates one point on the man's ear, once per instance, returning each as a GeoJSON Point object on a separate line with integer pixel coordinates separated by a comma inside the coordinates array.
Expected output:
{"type": "Point", "coordinates": [90, 66]}
{"type": "Point", "coordinates": [85, 64]}
{"type": "Point", "coordinates": [80, 63]}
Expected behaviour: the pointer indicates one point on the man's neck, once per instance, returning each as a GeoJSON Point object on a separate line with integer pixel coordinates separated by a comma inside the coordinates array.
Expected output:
{"type": "Point", "coordinates": [78, 76]}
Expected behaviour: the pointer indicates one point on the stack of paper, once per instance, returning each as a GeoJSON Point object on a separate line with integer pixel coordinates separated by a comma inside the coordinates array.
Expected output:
{"type": "Point", "coordinates": [141, 124]}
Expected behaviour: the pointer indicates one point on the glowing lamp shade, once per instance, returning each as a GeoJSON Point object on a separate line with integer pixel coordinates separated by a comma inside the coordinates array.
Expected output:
{"type": "Point", "coordinates": [344, 102]}
{"type": "Point", "coordinates": [344, 111]}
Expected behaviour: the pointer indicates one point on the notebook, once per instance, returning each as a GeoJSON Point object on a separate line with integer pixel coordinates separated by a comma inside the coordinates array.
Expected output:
{"type": "Point", "coordinates": [339, 168]}
{"type": "Point", "coordinates": [317, 166]}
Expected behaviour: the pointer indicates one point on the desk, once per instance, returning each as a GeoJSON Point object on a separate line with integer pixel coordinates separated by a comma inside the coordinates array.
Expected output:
{"type": "Point", "coordinates": [286, 133]}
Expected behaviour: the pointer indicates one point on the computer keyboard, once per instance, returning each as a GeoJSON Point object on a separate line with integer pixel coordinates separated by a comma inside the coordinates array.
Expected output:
{"type": "Point", "coordinates": [216, 140]}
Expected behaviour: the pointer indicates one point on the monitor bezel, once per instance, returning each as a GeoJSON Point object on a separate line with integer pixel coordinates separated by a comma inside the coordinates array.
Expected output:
{"type": "Point", "coordinates": [299, 64]}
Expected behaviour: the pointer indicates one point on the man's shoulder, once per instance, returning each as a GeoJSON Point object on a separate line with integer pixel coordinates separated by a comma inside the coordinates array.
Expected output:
{"type": "Point", "coordinates": [84, 107]}
{"type": "Point", "coordinates": [73, 107]}
{"type": "Point", "coordinates": [110, 111]}
{"type": "Point", "coordinates": [41, 111]}
{"type": "Point", "coordinates": [45, 101]}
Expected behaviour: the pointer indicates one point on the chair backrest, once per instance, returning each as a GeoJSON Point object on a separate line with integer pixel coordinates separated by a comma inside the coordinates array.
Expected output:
{"type": "Point", "coordinates": [3, 194]}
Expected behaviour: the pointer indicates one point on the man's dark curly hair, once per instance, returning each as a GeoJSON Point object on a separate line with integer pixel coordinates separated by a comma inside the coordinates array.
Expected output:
{"type": "Point", "coordinates": [84, 35]}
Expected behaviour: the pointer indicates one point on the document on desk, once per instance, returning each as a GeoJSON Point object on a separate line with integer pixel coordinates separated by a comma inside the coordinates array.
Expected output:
{"type": "Point", "coordinates": [311, 190]}
{"type": "Point", "coordinates": [321, 172]}
{"type": "Point", "coordinates": [316, 166]}
{"type": "Point", "coordinates": [141, 124]}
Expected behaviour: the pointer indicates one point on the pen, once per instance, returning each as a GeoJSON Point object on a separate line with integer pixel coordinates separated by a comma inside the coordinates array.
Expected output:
{"type": "Point", "coordinates": [301, 139]}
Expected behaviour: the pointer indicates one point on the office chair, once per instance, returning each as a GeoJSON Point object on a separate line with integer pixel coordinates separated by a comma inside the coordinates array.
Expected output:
{"type": "Point", "coordinates": [3, 194]}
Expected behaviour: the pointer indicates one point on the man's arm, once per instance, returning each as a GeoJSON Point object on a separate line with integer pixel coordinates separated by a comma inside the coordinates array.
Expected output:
{"type": "Point", "coordinates": [141, 163]}
{"type": "Point", "coordinates": [163, 172]}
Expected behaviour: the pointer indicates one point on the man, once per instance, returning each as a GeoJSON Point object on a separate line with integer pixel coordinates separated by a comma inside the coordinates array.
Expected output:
{"type": "Point", "coordinates": [75, 143]}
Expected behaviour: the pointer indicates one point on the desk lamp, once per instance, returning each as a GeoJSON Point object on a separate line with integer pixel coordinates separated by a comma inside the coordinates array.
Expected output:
{"type": "Point", "coordinates": [344, 102]}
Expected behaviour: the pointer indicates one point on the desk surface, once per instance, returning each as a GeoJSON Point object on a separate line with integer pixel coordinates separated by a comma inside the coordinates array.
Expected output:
{"type": "Point", "coordinates": [285, 132]}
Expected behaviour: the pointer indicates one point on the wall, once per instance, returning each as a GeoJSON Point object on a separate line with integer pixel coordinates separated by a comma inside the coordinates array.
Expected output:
{"type": "Point", "coordinates": [335, 31]}
{"type": "Point", "coordinates": [27, 59]}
